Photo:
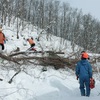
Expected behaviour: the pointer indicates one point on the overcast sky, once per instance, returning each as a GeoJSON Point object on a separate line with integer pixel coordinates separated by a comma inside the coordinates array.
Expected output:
{"type": "Point", "coordinates": [87, 6]}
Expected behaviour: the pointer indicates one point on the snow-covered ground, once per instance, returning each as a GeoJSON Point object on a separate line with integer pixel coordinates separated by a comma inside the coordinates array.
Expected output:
{"type": "Point", "coordinates": [34, 84]}
{"type": "Point", "coordinates": [48, 85]}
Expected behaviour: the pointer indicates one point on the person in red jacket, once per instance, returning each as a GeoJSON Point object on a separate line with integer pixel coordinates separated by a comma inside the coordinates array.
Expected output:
{"type": "Point", "coordinates": [2, 39]}
{"type": "Point", "coordinates": [32, 44]}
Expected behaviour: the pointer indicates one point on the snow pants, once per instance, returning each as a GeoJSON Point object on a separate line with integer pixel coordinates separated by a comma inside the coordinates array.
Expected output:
{"type": "Point", "coordinates": [32, 45]}
{"type": "Point", "coordinates": [2, 46]}
{"type": "Point", "coordinates": [85, 86]}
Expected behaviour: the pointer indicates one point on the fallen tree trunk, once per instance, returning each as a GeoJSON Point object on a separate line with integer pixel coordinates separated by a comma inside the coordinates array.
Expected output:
{"type": "Point", "coordinates": [8, 58]}
{"type": "Point", "coordinates": [51, 60]}
{"type": "Point", "coordinates": [24, 52]}
{"type": "Point", "coordinates": [56, 61]}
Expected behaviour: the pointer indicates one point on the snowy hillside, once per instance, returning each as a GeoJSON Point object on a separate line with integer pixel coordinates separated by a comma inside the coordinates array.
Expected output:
{"type": "Point", "coordinates": [47, 41]}
{"type": "Point", "coordinates": [34, 84]}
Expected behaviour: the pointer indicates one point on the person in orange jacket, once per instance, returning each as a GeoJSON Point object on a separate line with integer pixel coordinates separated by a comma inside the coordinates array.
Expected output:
{"type": "Point", "coordinates": [32, 43]}
{"type": "Point", "coordinates": [2, 39]}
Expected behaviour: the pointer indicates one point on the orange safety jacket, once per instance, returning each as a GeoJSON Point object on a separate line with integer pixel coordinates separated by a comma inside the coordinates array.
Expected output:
{"type": "Point", "coordinates": [2, 38]}
{"type": "Point", "coordinates": [31, 41]}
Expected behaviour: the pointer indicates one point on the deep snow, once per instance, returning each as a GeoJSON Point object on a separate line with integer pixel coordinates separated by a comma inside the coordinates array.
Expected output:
{"type": "Point", "coordinates": [34, 84]}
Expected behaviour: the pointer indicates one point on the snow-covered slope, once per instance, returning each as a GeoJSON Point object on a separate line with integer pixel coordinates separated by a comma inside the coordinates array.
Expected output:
{"type": "Point", "coordinates": [34, 84]}
{"type": "Point", "coordinates": [46, 41]}
{"type": "Point", "coordinates": [49, 85]}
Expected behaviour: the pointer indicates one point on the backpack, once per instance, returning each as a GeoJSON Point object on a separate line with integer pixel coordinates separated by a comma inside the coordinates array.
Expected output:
{"type": "Point", "coordinates": [92, 83]}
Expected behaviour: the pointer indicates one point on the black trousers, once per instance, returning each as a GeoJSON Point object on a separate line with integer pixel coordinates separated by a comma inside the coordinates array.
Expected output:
{"type": "Point", "coordinates": [32, 45]}
{"type": "Point", "coordinates": [2, 46]}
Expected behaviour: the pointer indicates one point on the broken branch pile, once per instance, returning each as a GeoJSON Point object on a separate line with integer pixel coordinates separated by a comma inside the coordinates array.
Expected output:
{"type": "Point", "coordinates": [51, 60]}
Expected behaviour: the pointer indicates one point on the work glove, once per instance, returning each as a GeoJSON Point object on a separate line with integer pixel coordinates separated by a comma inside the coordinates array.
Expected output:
{"type": "Point", "coordinates": [90, 78]}
{"type": "Point", "coordinates": [77, 77]}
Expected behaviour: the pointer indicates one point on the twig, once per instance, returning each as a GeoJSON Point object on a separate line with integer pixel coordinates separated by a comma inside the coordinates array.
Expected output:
{"type": "Point", "coordinates": [10, 81]}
